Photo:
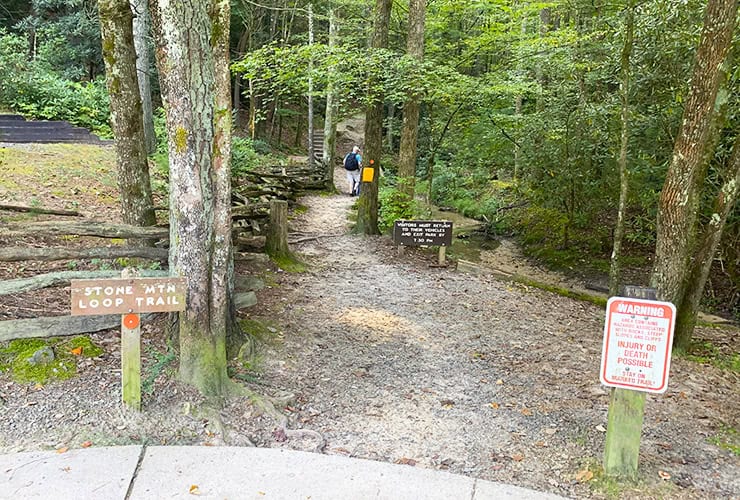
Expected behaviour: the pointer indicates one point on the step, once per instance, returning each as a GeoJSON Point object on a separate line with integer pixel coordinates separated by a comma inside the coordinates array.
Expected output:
{"type": "Point", "coordinates": [28, 137]}
{"type": "Point", "coordinates": [38, 125]}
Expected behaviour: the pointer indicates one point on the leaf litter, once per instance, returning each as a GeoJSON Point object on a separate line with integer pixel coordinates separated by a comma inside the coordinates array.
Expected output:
{"type": "Point", "coordinates": [370, 344]}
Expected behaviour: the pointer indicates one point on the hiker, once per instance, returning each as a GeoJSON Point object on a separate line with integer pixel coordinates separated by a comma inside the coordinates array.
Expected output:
{"type": "Point", "coordinates": [353, 164]}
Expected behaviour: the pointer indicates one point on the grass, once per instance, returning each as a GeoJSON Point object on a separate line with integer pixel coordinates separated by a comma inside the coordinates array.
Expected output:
{"type": "Point", "coordinates": [161, 361]}
{"type": "Point", "coordinates": [727, 439]}
{"type": "Point", "coordinates": [65, 171]}
{"type": "Point", "coordinates": [706, 353]}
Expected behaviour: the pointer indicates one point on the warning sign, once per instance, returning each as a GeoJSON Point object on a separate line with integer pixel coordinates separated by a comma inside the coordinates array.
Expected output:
{"type": "Point", "coordinates": [422, 232]}
{"type": "Point", "coordinates": [638, 336]}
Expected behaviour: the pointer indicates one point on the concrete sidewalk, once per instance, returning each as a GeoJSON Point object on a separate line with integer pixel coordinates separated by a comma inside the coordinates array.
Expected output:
{"type": "Point", "coordinates": [231, 473]}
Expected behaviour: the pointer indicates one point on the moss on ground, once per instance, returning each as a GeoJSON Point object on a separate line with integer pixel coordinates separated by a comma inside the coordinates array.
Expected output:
{"type": "Point", "coordinates": [599, 301]}
{"type": "Point", "coordinates": [289, 263]}
{"type": "Point", "coordinates": [89, 349]}
{"type": "Point", "coordinates": [15, 358]}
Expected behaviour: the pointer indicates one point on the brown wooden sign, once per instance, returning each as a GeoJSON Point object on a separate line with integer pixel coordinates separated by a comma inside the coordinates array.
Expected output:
{"type": "Point", "coordinates": [422, 232]}
{"type": "Point", "coordinates": [128, 295]}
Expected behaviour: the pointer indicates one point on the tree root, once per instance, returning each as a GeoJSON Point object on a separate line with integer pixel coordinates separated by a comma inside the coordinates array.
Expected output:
{"type": "Point", "coordinates": [267, 405]}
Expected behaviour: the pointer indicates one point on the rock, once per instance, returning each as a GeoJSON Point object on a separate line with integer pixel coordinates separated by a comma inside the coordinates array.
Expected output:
{"type": "Point", "coordinates": [248, 283]}
{"type": "Point", "coordinates": [243, 300]}
{"type": "Point", "coordinates": [43, 356]}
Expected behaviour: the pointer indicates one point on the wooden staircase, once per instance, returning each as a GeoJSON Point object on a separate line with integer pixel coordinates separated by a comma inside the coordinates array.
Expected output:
{"type": "Point", "coordinates": [318, 146]}
{"type": "Point", "coordinates": [16, 129]}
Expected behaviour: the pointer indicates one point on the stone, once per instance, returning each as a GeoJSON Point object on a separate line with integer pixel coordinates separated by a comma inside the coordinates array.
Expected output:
{"type": "Point", "coordinates": [43, 356]}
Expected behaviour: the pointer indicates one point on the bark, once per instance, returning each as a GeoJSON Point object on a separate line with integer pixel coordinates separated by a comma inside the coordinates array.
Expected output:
{"type": "Point", "coordinates": [99, 229]}
{"type": "Point", "coordinates": [712, 235]}
{"type": "Point", "coordinates": [223, 305]}
{"type": "Point", "coordinates": [518, 101]}
{"type": "Point", "coordinates": [57, 326]}
{"type": "Point", "coordinates": [191, 79]}
{"type": "Point", "coordinates": [50, 211]}
{"type": "Point", "coordinates": [116, 28]}
{"type": "Point", "coordinates": [615, 269]}
{"type": "Point", "coordinates": [241, 47]}
{"type": "Point", "coordinates": [311, 157]}
{"type": "Point", "coordinates": [410, 130]}
{"type": "Point", "coordinates": [332, 109]}
{"type": "Point", "coordinates": [677, 215]}
{"type": "Point", "coordinates": [276, 244]}
{"type": "Point", "coordinates": [17, 254]}
{"type": "Point", "coordinates": [252, 126]}
{"type": "Point", "coordinates": [40, 281]}
{"type": "Point", "coordinates": [142, 31]}
{"type": "Point", "coordinates": [367, 215]}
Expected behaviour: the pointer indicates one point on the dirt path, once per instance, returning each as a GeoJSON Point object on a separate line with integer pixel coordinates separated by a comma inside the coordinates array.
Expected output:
{"type": "Point", "coordinates": [393, 360]}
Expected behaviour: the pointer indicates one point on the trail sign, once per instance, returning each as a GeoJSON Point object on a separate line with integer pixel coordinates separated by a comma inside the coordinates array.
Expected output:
{"type": "Point", "coordinates": [638, 335]}
{"type": "Point", "coordinates": [422, 232]}
{"type": "Point", "coordinates": [129, 296]}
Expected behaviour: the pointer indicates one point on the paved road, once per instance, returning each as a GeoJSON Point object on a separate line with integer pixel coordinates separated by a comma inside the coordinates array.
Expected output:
{"type": "Point", "coordinates": [136, 472]}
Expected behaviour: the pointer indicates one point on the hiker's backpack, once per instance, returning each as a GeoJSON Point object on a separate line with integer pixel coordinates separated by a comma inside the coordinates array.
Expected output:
{"type": "Point", "coordinates": [350, 162]}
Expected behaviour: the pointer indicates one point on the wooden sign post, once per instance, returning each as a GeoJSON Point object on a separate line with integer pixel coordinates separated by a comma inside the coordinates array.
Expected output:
{"type": "Point", "coordinates": [424, 233]}
{"type": "Point", "coordinates": [636, 356]}
{"type": "Point", "coordinates": [129, 296]}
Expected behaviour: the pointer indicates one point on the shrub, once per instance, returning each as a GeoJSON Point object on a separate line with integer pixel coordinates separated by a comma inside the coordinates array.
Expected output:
{"type": "Point", "coordinates": [35, 90]}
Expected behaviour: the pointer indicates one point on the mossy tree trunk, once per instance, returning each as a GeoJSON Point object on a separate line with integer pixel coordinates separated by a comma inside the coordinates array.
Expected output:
{"type": "Point", "coordinates": [116, 27]}
{"type": "Point", "coordinates": [193, 78]}
{"type": "Point", "coordinates": [410, 130]}
{"type": "Point", "coordinates": [367, 215]}
{"type": "Point", "coordinates": [679, 200]}
{"type": "Point", "coordinates": [711, 237]}
{"type": "Point", "coordinates": [142, 33]}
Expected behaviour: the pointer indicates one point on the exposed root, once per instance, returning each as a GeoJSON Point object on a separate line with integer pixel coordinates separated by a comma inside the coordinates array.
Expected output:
{"type": "Point", "coordinates": [267, 405]}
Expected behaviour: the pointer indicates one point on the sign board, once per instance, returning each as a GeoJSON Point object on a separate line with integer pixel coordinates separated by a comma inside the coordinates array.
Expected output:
{"type": "Point", "coordinates": [422, 232]}
{"type": "Point", "coordinates": [638, 336]}
{"type": "Point", "coordinates": [127, 295]}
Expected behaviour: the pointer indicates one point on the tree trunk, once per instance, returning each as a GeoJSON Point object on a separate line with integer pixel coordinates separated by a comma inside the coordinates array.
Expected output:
{"type": "Point", "coordinates": [332, 108]}
{"type": "Point", "coordinates": [367, 215]}
{"type": "Point", "coordinates": [252, 110]}
{"type": "Point", "coordinates": [410, 131]}
{"type": "Point", "coordinates": [142, 30]}
{"type": "Point", "coordinates": [723, 205]}
{"type": "Point", "coordinates": [116, 27]}
{"type": "Point", "coordinates": [311, 158]}
{"type": "Point", "coordinates": [615, 269]}
{"type": "Point", "coordinates": [241, 46]}
{"type": "Point", "coordinates": [677, 215]}
{"type": "Point", "coordinates": [223, 309]}
{"type": "Point", "coordinates": [192, 81]}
